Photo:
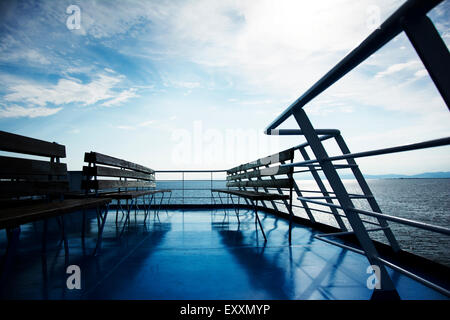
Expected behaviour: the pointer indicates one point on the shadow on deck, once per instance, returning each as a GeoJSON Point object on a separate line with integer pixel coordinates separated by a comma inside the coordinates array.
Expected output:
{"type": "Point", "coordinates": [193, 254]}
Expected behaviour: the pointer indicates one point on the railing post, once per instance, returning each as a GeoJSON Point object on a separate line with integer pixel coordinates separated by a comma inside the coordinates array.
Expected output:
{"type": "Point", "coordinates": [182, 186]}
{"type": "Point", "coordinates": [211, 199]}
{"type": "Point", "coordinates": [367, 192]}
{"type": "Point", "coordinates": [387, 289]}
{"type": "Point", "coordinates": [432, 51]}
{"type": "Point", "coordinates": [322, 189]}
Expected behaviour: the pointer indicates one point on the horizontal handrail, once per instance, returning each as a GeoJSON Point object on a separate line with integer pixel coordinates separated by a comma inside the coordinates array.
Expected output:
{"type": "Point", "coordinates": [409, 222]}
{"type": "Point", "coordinates": [377, 39]}
{"type": "Point", "coordinates": [297, 132]}
{"type": "Point", "coordinates": [415, 277]}
{"type": "Point", "coordinates": [408, 147]}
{"type": "Point", "coordinates": [193, 171]}
{"type": "Point", "coordinates": [391, 265]}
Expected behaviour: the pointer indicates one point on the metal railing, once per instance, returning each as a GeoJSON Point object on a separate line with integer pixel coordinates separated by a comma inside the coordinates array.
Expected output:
{"type": "Point", "coordinates": [411, 18]}
{"type": "Point", "coordinates": [182, 193]}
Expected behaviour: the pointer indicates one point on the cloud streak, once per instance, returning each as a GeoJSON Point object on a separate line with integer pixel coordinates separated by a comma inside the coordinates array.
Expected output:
{"type": "Point", "coordinates": [15, 111]}
{"type": "Point", "coordinates": [71, 90]}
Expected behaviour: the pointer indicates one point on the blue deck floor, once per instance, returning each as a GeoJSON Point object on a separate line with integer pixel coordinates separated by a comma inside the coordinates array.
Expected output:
{"type": "Point", "coordinates": [194, 254]}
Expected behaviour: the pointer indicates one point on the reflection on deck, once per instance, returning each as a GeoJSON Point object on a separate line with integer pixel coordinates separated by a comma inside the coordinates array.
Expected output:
{"type": "Point", "coordinates": [195, 254]}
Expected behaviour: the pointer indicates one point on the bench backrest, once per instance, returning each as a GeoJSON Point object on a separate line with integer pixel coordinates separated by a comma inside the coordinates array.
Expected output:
{"type": "Point", "coordinates": [265, 172]}
{"type": "Point", "coordinates": [108, 173]}
{"type": "Point", "coordinates": [24, 177]}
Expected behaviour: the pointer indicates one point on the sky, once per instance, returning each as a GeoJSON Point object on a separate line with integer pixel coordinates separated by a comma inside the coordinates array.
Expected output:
{"type": "Point", "coordinates": [193, 84]}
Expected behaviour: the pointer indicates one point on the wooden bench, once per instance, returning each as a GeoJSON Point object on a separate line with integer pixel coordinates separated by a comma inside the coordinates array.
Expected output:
{"type": "Point", "coordinates": [32, 190]}
{"type": "Point", "coordinates": [247, 180]}
{"type": "Point", "coordinates": [118, 179]}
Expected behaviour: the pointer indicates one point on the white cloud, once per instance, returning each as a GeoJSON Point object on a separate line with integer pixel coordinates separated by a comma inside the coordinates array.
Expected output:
{"type": "Point", "coordinates": [70, 90]}
{"type": "Point", "coordinates": [395, 68]}
{"type": "Point", "coordinates": [168, 82]}
{"type": "Point", "coordinates": [32, 56]}
{"type": "Point", "coordinates": [15, 111]}
{"type": "Point", "coordinates": [121, 98]}
{"type": "Point", "coordinates": [123, 127]}
{"type": "Point", "coordinates": [146, 123]}
{"type": "Point", "coordinates": [421, 73]}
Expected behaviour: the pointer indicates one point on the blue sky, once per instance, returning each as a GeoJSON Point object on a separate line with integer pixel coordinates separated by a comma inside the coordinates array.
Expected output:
{"type": "Point", "coordinates": [193, 84]}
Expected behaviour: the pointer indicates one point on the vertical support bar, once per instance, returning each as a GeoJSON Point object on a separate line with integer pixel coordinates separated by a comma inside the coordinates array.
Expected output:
{"type": "Point", "coordinates": [432, 51]}
{"type": "Point", "coordinates": [235, 211]}
{"type": "Point", "coordinates": [117, 210]}
{"type": "Point", "coordinates": [160, 204]}
{"type": "Point", "coordinates": [128, 212]}
{"type": "Point", "coordinates": [258, 221]}
{"type": "Point", "coordinates": [388, 289]}
{"type": "Point", "coordinates": [366, 190]}
{"type": "Point", "coordinates": [66, 244]}
{"type": "Point", "coordinates": [323, 189]}
{"type": "Point", "coordinates": [100, 228]}
{"type": "Point", "coordinates": [211, 199]}
{"type": "Point", "coordinates": [83, 226]}
{"type": "Point", "coordinates": [291, 213]}
{"type": "Point", "coordinates": [182, 183]}
{"type": "Point", "coordinates": [44, 237]}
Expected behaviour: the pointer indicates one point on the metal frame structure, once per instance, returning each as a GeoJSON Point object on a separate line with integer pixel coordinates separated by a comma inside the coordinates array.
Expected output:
{"type": "Point", "coordinates": [411, 18]}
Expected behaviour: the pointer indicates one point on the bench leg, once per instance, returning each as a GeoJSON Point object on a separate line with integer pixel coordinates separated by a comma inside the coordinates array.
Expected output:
{"type": "Point", "coordinates": [159, 207]}
{"type": "Point", "coordinates": [259, 222]}
{"type": "Point", "coordinates": [235, 210]}
{"type": "Point", "coordinates": [221, 202]}
{"type": "Point", "coordinates": [127, 218]}
{"type": "Point", "coordinates": [66, 243]}
{"type": "Point", "coordinates": [13, 240]}
{"type": "Point", "coordinates": [168, 202]}
{"type": "Point", "coordinates": [147, 212]}
{"type": "Point", "coordinates": [170, 197]}
{"type": "Point", "coordinates": [83, 232]}
{"type": "Point", "coordinates": [128, 212]}
{"type": "Point", "coordinates": [213, 201]}
{"type": "Point", "coordinates": [100, 228]}
{"type": "Point", "coordinates": [117, 210]}
{"type": "Point", "coordinates": [44, 237]}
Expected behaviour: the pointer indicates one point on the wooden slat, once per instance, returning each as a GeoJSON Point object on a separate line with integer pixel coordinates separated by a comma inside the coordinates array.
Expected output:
{"type": "Point", "coordinates": [20, 144]}
{"type": "Point", "coordinates": [113, 172]}
{"type": "Point", "coordinates": [32, 188]}
{"type": "Point", "coordinates": [25, 177]}
{"type": "Point", "coordinates": [130, 194]}
{"type": "Point", "coordinates": [16, 216]}
{"type": "Point", "coordinates": [277, 183]}
{"type": "Point", "coordinates": [111, 184]}
{"type": "Point", "coordinates": [95, 157]}
{"type": "Point", "coordinates": [272, 171]}
{"type": "Point", "coordinates": [253, 194]}
{"type": "Point", "coordinates": [12, 167]}
{"type": "Point", "coordinates": [275, 158]}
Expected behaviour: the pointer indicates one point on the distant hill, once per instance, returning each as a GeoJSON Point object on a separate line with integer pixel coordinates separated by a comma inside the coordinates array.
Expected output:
{"type": "Point", "coordinates": [425, 175]}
